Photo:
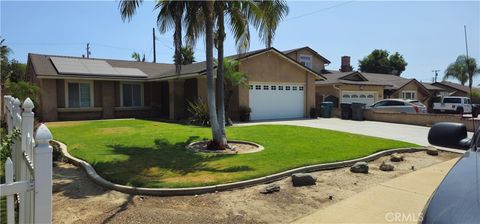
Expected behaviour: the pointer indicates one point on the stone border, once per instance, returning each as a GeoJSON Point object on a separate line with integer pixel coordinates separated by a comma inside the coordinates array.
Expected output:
{"type": "Point", "coordinates": [259, 147]}
{"type": "Point", "coordinates": [92, 174]}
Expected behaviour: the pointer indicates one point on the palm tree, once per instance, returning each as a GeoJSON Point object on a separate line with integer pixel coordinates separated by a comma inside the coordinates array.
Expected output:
{"type": "Point", "coordinates": [219, 140]}
{"type": "Point", "coordinates": [137, 57]}
{"type": "Point", "coordinates": [187, 55]}
{"type": "Point", "coordinates": [233, 78]}
{"type": "Point", "coordinates": [272, 12]}
{"type": "Point", "coordinates": [462, 70]}
{"type": "Point", "coordinates": [170, 16]}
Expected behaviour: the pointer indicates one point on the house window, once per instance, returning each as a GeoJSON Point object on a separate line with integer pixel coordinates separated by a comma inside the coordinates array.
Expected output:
{"type": "Point", "coordinates": [300, 88]}
{"type": "Point", "coordinates": [305, 60]}
{"type": "Point", "coordinates": [132, 94]}
{"type": "Point", "coordinates": [258, 87]}
{"type": "Point", "coordinates": [273, 87]}
{"type": "Point", "coordinates": [265, 87]}
{"type": "Point", "coordinates": [287, 87]}
{"type": "Point", "coordinates": [280, 87]}
{"type": "Point", "coordinates": [294, 88]}
{"type": "Point", "coordinates": [251, 86]}
{"type": "Point", "coordinates": [79, 94]}
{"type": "Point", "coordinates": [409, 95]}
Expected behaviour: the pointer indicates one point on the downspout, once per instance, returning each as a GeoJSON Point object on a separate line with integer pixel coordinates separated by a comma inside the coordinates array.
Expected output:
{"type": "Point", "coordinates": [339, 94]}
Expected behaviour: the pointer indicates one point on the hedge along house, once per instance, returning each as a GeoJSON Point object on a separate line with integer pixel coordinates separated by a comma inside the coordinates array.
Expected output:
{"type": "Point", "coordinates": [359, 87]}
{"type": "Point", "coordinates": [74, 88]}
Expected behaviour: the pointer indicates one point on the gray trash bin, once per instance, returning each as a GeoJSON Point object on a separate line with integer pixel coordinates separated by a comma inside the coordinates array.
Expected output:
{"type": "Point", "coordinates": [357, 111]}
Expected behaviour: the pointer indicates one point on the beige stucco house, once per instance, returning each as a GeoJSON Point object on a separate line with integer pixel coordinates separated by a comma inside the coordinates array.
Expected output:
{"type": "Point", "coordinates": [75, 88]}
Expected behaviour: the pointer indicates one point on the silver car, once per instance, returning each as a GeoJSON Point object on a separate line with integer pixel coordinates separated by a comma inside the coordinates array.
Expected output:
{"type": "Point", "coordinates": [399, 106]}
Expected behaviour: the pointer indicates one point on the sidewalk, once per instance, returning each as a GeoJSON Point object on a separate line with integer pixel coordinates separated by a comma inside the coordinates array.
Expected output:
{"type": "Point", "coordinates": [400, 200]}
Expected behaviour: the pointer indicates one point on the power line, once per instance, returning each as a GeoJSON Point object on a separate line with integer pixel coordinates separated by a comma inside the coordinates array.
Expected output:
{"type": "Point", "coordinates": [320, 10]}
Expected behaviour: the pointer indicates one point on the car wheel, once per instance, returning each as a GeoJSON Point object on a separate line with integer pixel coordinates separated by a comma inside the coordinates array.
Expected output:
{"type": "Point", "coordinates": [459, 110]}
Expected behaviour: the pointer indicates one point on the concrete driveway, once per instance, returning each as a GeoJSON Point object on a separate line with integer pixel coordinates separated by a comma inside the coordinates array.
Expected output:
{"type": "Point", "coordinates": [409, 133]}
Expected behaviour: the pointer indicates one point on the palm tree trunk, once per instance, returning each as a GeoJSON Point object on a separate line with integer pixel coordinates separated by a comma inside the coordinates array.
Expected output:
{"type": "Point", "coordinates": [177, 41]}
{"type": "Point", "coordinates": [216, 133]}
{"type": "Point", "coordinates": [220, 77]}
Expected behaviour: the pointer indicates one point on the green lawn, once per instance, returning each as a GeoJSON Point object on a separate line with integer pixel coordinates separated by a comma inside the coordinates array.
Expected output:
{"type": "Point", "coordinates": [152, 154]}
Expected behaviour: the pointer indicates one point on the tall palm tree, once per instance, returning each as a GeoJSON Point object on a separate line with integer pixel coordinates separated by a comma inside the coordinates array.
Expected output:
{"type": "Point", "coordinates": [272, 12]}
{"type": "Point", "coordinates": [462, 70]}
{"type": "Point", "coordinates": [187, 55]}
{"type": "Point", "coordinates": [137, 57]}
{"type": "Point", "coordinates": [170, 16]}
{"type": "Point", "coordinates": [208, 12]}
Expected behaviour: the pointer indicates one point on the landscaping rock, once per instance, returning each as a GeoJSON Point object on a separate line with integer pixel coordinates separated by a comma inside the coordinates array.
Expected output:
{"type": "Point", "coordinates": [359, 167]}
{"type": "Point", "coordinates": [303, 179]}
{"type": "Point", "coordinates": [432, 151]}
{"type": "Point", "coordinates": [395, 157]}
{"type": "Point", "coordinates": [270, 189]}
{"type": "Point", "coordinates": [386, 166]}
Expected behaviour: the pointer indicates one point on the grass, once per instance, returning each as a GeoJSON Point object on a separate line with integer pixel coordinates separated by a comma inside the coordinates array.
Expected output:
{"type": "Point", "coordinates": [145, 153]}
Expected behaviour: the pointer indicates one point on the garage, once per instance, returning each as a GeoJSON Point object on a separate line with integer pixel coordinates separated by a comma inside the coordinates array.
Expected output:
{"type": "Point", "coordinates": [276, 101]}
{"type": "Point", "coordinates": [365, 97]}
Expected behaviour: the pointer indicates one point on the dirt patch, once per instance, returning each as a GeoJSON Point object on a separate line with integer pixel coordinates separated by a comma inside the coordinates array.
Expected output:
{"type": "Point", "coordinates": [235, 147]}
{"type": "Point", "coordinates": [77, 200]}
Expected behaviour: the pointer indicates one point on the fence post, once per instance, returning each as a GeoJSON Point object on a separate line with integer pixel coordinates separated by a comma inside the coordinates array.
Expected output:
{"type": "Point", "coordinates": [8, 180]}
{"type": "Point", "coordinates": [27, 148]}
{"type": "Point", "coordinates": [16, 146]}
{"type": "Point", "coordinates": [43, 175]}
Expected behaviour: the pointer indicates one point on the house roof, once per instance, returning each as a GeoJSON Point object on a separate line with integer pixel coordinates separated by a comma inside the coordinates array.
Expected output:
{"type": "Point", "coordinates": [389, 81]}
{"type": "Point", "coordinates": [44, 66]}
{"type": "Point", "coordinates": [458, 87]}
{"type": "Point", "coordinates": [309, 49]}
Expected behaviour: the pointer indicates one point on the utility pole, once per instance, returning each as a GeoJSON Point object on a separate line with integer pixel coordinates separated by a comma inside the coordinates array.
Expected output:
{"type": "Point", "coordinates": [154, 48]}
{"type": "Point", "coordinates": [88, 50]}
{"type": "Point", "coordinates": [436, 75]}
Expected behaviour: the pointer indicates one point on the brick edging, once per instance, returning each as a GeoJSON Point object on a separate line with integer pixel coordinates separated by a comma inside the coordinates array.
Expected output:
{"type": "Point", "coordinates": [92, 174]}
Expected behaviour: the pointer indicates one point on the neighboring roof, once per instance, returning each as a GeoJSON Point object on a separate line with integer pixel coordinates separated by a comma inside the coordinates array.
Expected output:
{"type": "Point", "coordinates": [44, 67]}
{"type": "Point", "coordinates": [392, 82]}
{"type": "Point", "coordinates": [309, 49]}
{"type": "Point", "coordinates": [456, 86]}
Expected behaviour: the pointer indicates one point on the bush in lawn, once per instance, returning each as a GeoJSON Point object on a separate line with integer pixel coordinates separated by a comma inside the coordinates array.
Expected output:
{"type": "Point", "coordinates": [198, 113]}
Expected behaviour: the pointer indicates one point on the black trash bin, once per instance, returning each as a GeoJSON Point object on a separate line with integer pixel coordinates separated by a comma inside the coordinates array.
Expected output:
{"type": "Point", "coordinates": [346, 110]}
{"type": "Point", "coordinates": [326, 109]}
{"type": "Point", "coordinates": [357, 111]}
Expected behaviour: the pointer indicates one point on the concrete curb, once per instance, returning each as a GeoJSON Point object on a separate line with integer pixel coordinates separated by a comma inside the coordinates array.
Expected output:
{"type": "Point", "coordinates": [259, 147]}
{"type": "Point", "coordinates": [92, 174]}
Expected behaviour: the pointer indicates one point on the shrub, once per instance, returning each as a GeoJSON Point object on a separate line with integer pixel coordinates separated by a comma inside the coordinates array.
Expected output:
{"type": "Point", "coordinates": [244, 113]}
{"type": "Point", "coordinates": [198, 113]}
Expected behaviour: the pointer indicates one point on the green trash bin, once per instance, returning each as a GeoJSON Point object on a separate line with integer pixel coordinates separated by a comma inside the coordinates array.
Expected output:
{"type": "Point", "coordinates": [326, 109]}
{"type": "Point", "coordinates": [357, 111]}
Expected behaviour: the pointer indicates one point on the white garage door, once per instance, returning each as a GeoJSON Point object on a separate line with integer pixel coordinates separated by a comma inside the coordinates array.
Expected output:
{"type": "Point", "coordinates": [365, 97]}
{"type": "Point", "coordinates": [275, 101]}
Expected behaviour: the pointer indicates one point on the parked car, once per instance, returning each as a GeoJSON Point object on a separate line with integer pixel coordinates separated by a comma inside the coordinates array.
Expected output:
{"type": "Point", "coordinates": [453, 105]}
{"type": "Point", "coordinates": [400, 106]}
{"type": "Point", "coordinates": [457, 198]}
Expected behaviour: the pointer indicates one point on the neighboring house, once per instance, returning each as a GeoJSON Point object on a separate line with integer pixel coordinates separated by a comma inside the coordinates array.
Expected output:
{"type": "Point", "coordinates": [309, 58]}
{"type": "Point", "coordinates": [368, 88]}
{"type": "Point", "coordinates": [74, 88]}
{"type": "Point", "coordinates": [454, 89]}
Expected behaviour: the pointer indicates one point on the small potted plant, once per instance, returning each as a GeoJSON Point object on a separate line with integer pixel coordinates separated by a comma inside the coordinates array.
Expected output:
{"type": "Point", "coordinates": [244, 113]}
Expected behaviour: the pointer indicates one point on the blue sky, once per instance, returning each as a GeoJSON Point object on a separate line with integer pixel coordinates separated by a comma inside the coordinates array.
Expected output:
{"type": "Point", "coordinates": [428, 34]}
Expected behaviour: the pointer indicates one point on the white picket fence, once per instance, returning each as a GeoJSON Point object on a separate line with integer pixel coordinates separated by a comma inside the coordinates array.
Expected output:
{"type": "Point", "coordinates": [28, 174]}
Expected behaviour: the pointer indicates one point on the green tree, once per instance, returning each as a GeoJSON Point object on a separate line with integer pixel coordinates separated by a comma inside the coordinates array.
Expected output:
{"type": "Point", "coordinates": [137, 57]}
{"type": "Point", "coordinates": [233, 78]}
{"type": "Point", "coordinates": [187, 55]}
{"type": "Point", "coordinates": [272, 13]}
{"type": "Point", "coordinates": [22, 90]}
{"type": "Point", "coordinates": [380, 61]}
{"type": "Point", "coordinates": [170, 17]}
{"type": "Point", "coordinates": [463, 70]}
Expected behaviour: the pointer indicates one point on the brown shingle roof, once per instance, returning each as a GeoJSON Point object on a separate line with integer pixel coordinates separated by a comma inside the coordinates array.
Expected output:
{"type": "Point", "coordinates": [307, 48]}
{"type": "Point", "coordinates": [456, 86]}
{"type": "Point", "coordinates": [43, 66]}
{"type": "Point", "coordinates": [389, 81]}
